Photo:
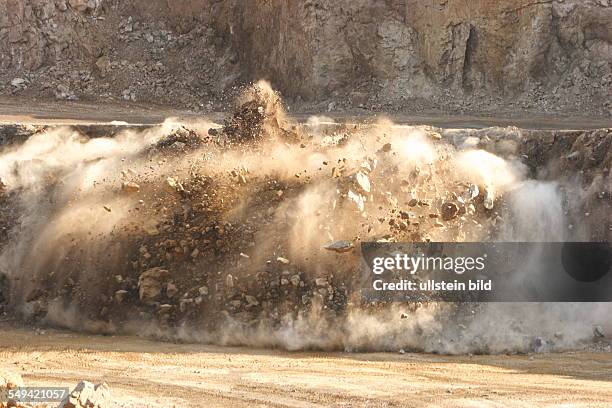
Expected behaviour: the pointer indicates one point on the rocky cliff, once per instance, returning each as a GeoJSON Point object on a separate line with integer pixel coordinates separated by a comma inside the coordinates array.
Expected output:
{"type": "Point", "coordinates": [449, 55]}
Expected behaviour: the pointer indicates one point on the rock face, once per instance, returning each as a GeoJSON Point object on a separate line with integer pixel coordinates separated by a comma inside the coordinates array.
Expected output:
{"type": "Point", "coordinates": [541, 55]}
{"type": "Point", "coordinates": [412, 48]}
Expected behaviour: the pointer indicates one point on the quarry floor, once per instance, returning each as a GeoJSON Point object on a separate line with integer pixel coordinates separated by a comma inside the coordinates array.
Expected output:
{"type": "Point", "coordinates": [27, 111]}
{"type": "Point", "coordinates": [143, 373]}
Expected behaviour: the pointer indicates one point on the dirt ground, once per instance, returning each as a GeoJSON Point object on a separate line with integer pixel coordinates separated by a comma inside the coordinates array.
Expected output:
{"type": "Point", "coordinates": [29, 111]}
{"type": "Point", "coordinates": [166, 375]}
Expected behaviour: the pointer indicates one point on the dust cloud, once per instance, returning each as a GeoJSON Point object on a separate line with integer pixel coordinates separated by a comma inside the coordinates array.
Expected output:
{"type": "Point", "coordinates": [209, 233]}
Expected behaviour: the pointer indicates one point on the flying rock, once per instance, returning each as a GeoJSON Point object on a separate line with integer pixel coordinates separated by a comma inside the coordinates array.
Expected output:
{"type": "Point", "coordinates": [130, 187]}
{"type": "Point", "coordinates": [489, 199]}
{"type": "Point", "coordinates": [363, 181]}
{"type": "Point", "coordinates": [358, 200]}
{"type": "Point", "coordinates": [449, 211]}
{"type": "Point", "coordinates": [340, 246]}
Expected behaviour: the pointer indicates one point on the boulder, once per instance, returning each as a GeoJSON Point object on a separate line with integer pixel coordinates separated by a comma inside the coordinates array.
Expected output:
{"type": "Point", "coordinates": [88, 395]}
{"type": "Point", "coordinates": [10, 380]}
{"type": "Point", "coordinates": [150, 284]}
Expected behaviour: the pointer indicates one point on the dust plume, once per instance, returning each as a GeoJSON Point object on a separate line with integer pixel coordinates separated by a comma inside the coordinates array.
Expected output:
{"type": "Point", "coordinates": [248, 232]}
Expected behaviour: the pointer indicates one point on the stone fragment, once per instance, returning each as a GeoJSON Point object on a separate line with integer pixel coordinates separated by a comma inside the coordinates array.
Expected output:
{"type": "Point", "coordinates": [150, 284]}
{"type": "Point", "coordinates": [130, 187]}
{"type": "Point", "coordinates": [363, 181]}
{"type": "Point", "coordinates": [120, 296]}
{"type": "Point", "coordinates": [10, 380]}
{"type": "Point", "coordinates": [174, 185]}
{"type": "Point", "coordinates": [357, 199]}
{"type": "Point", "coordinates": [489, 199]}
{"type": "Point", "coordinates": [251, 300]}
{"type": "Point", "coordinates": [340, 246]}
{"type": "Point", "coordinates": [229, 281]}
{"type": "Point", "coordinates": [83, 5]}
{"type": "Point", "coordinates": [171, 290]}
{"type": "Point", "coordinates": [88, 395]}
{"type": "Point", "coordinates": [18, 82]}
{"type": "Point", "coordinates": [165, 308]}
{"type": "Point", "coordinates": [449, 211]}
{"type": "Point", "coordinates": [295, 280]}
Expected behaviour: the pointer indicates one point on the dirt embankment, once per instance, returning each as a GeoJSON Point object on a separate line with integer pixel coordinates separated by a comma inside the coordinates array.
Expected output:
{"type": "Point", "coordinates": [453, 56]}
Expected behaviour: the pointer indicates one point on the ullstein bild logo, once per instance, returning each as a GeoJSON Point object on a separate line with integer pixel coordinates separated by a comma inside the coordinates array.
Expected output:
{"type": "Point", "coordinates": [488, 272]}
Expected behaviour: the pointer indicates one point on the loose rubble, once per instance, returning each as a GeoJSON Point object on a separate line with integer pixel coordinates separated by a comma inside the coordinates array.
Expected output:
{"type": "Point", "coordinates": [10, 381]}
{"type": "Point", "coordinates": [256, 225]}
{"type": "Point", "coordinates": [88, 395]}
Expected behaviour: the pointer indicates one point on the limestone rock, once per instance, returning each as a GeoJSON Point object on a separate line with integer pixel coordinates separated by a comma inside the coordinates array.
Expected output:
{"type": "Point", "coordinates": [88, 395]}
{"type": "Point", "coordinates": [150, 284]}
{"type": "Point", "coordinates": [10, 380]}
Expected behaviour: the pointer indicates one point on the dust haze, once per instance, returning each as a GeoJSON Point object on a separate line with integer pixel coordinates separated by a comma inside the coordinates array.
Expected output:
{"type": "Point", "coordinates": [221, 233]}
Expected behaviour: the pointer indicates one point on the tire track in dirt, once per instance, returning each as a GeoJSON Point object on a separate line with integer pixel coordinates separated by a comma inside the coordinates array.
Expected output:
{"type": "Point", "coordinates": [155, 374]}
